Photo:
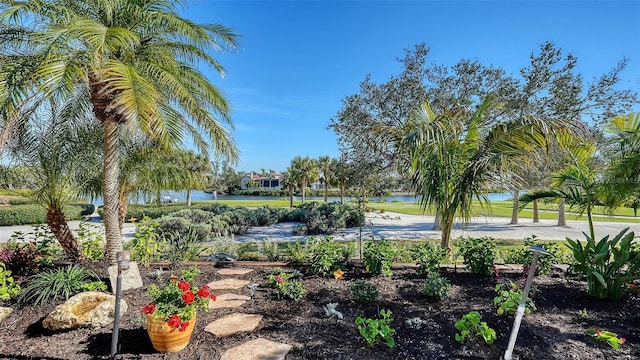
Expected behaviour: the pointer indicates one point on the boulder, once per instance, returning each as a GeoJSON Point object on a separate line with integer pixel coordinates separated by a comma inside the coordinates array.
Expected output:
{"type": "Point", "coordinates": [91, 308]}
{"type": "Point", "coordinates": [4, 312]}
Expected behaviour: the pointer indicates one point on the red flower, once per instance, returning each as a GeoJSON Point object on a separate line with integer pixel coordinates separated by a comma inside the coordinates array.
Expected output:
{"type": "Point", "coordinates": [213, 297]}
{"type": "Point", "coordinates": [173, 278]}
{"type": "Point", "coordinates": [174, 321]}
{"type": "Point", "coordinates": [184, 325]}
{"type": "Point", "coordinates": [184, 286]}
{"type": "Point", "coordinates": [622, 340]}
{"type": "Point", "coordinates": [188, 297]}
{"type": "Point", "coordinates": [204, 292]}
{"type": "Point", "coordinates": [149, 309]}
{"type": "Point", "coordinates": [279, 279]}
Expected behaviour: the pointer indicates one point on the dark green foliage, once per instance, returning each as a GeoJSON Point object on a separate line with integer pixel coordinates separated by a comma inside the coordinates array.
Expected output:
{"type": "Point", "coordinates": [509, 295]}
{"type": "Point", "coordinates": [523, 256]}
{"type": "Point", "coordinates": [608, 264]}
{"type": "Point", "coordinates": [248, 251]}
{"type": "Point", "coordinates": [326, 256]}
{"type": "Point", "coordinates": [436, 287]}
{"type": "Point", "coordinates": [62, 283]}
{"type": "Point", "coordinates": [478, 254]}
{"type": "Point", "coordinates": [324, 218]}
{"type": "Point", "coordinates": [138, 212]}
{"type": "Point", "coordinates": [429, 257]}
{"type": "Point", "coordinates": [31, 214]}
{"type": "Point", "coordinates": [378, 257]}
{"type": "Point", "coordinates": [181, 226]}
{"type": "Point", "coordinates": [364, 292]}
{"type": "Point", "coordinates": [181, 247]}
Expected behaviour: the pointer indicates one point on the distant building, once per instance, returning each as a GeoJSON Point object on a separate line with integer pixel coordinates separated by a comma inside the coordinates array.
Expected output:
{"type": "Point", "coordinates": [253, 181]}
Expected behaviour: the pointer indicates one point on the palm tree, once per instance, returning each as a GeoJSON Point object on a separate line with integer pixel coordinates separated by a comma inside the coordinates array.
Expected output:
{"type": "Point", "coordinates": [324, 162]}
{"type": "Point", "coordinates": [307, 170]}
{"type": "Point", "coordinates": [341, 175]}
{"type": "Point", "coordinates": [456, 154]}
{"type": "Point", "coordinates": [289, 181]}
{"type": "Point", "coordinates": [135, 62]}
{"type": "Point", "coordinates": [59, 148]}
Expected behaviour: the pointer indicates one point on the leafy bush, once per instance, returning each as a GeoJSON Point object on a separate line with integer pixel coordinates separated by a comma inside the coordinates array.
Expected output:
{"type": "Point", "coordinates": [8, 287]}
{"type": "Point", "coordinates": [270, 249]}
{"type": "Point", "coordinates": [182, 227]}
{"type": "Point", "coordinates": [31, 214]}
{"type": "Point", "coordinates": [364, 292]}
{"type": "Point", "coordinates": [298, 251]}
{"type": "Point", "coordinates": [326, 256]}
{"type": "Point", "coordinates": [50, 286]}
{"type": "Point", "coordinates": [228, 245]}
{"type": "Point", "coordinates": [522, 255]}
{"type": "Point", "coordinates": [147, 244]}
{"type": "Point", "coordinates": [429, 257]}
{"type": "Point", "coordinates": [26, 253]}
{"type": "Point", "coordinates": [436, 287]}
{"type": "Point", "coordinates": [478, 254]}
{"type": "Point", "coordinates": [286, 286]}
{"type": "Point", "coordinates": [248, 251]}
{"type": "Point", "coordinates": [471, 325]}
{"type": "Point", "coordinates": [91, 239]}
{"type": "Point", "coordinates": [325, 218]}
{"type": "Point", "coordinates": [608, 264]}
{"type": "Point", "coordinates": [377, 330]}
{"type": "Point", "coordinates": [183, 247]}
{"type": "Point", "coordinates": [378, 257]}
{"type": "Point", "coordinates": [509, 297]}
{"type": "Point", "coordinates": [152, 211]}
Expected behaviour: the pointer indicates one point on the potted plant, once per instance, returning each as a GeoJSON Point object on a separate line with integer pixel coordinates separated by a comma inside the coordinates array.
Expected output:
{"type": "Point", "coordinates": [171, 313]}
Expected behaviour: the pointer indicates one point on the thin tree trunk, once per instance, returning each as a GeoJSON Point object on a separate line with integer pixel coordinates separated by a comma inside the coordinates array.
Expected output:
{"type": "Point", "coordinates": [437, 223]}
{"type": "Point", "coordinates": [326, 190]}
{"type": "Point", "coordinates": [59, 227]}
{"type": "Point", "coordinates": [447, 226]}
{"type": "Point", "coordinates": [514, 209]}
{"type": "Point", "coordinates": [123, 204]}
{"type": "Point", "coordinates": [290, 198]}
{"type": "Point", "coordinates": [110, 175]}
{"type": "Point", "coordinates": [304, 187]}
{"type": "Point", "coordinates": [188, 197]}
{"type": "Point", "coordinates": [536, 216]}
{"type": "Point", "coordinates": [562, 220]}
{"type": "Point", "coordinates": [341, 193]}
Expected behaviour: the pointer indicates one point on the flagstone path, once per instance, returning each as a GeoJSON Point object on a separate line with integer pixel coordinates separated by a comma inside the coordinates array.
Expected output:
{"type": "Point", "coordinates": [258, 349]}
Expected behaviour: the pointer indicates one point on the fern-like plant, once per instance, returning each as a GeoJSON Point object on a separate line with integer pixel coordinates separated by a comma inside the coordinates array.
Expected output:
{"type": "Point", "coordinates": [46, 287]}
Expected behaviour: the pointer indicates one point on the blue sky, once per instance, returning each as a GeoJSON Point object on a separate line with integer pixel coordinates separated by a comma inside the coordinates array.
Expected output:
{"type": "Point", "coordinates": [299, 59]}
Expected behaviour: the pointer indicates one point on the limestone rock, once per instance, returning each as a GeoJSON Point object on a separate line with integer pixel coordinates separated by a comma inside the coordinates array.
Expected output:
{"type": "Point", "coordinates": [234, 271]}
{"type": "Point", "coordinates": [131, 278]}
{"type": "Point", "coordinates": [233, 324]}
{"type": "Point", "coordinates": [228, 301]}
{"type": "Point", "coordinates": [258, 349]}
{"type": "Point", "coordinates": [228, 284]}
{"type": "Point", "coordinates": [4, 312]}
{"type": "Point", "coordinates": [91, 308]}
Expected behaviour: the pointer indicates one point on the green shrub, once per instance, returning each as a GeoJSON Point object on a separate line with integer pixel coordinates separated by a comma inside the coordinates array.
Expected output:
{"type": "Point", "coordinates": [326, 256]}
{"type": "Point", "coordinates": [91, 239]}
{"type": "Point", "coordinates": [436, 287]}
{"type": "Point", "coordinates": [428, 257]}
{"type": "Point", "coordinates": [608, 264]}
{"type": "Point", "coordinates": [471, 325]}
{"type": "Point", "coordinates": [478, 254]}
{"type": "Point", "coordinates": [286, 286]}
{"type": "Point", "coordinates": [522, 255]}
{"type": "Point", "coordinates": [31, 214]}
{"type": "Point", "coordinates": [147, 244]}
{"type": "Point", "coordinates": [248, 251]}
{"type": "Point", "coordinates": [378, 257]}
{"type": "Point", "coordinates": [509, 297]}
{"type": "Point", "coordinates": [377, 330]}
{"type": "Point", "coordinates": [26, 253]}
{"type": "Point", "coordinates": [325, 218]}
{"type": "Point", "coordinates": [270, 249]}
{"type": "Point", "coordinates": [183, 247]}
{"type": "Point", "coordinates": [21, 201]}
{"type": "Point", "coordinates": [8, 287]}
{"type": "Point", "coordinates": [298, 251]}
{"type": "Point", "coordinates": [50, 286]}
{"type": "Point", "coordinates": [364, 292]}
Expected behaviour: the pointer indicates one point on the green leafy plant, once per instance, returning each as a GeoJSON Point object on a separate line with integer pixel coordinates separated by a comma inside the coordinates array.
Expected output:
{"type": "Point", "coordinates": [183, 247]}
{"type": "Point", "coordinates": [147, 244]}
{"type": "Point", "coordinates": [326, 256]}
{"type": "Point", "coordinates": [604, 336]}
{"type": "Point", "coordinates": [377, 330]}
{"type": "Point", "coordinates": [178, 300]}
{"type": "Point", "coordinates": [471, 324]}
{"type": "Point", "coordinates": [509, 297]}
{"type": "Point", "coordinates": [91, 238]}
{"type": "Point", "coordinates": [94, 286]}
{"type": "Point", "coordinates": [583, 314]}
{"type": "Point", "coordinates": [429, 258]}
{"type": "Point", "coordinates": [287, 286]}
{"type": "Point", "coordinates": [50, 286]}
{"type": "Point", "coordinates": [378, 257]}
{"type": "Point", "coordinates": [436, 287]}
{"type": "Point", "coordinates": [8, 287]}
{"type": "Point", "coordinates": [270, 249]}
{"type": "Point", "coordinates": [298, 251]}
{"type": "Point", "coordinates": [478, 254]}
{"type": "Point", "coordinates": [608, 264]}
{"type": "Point", "coordinates": [364, 292]}
{"type": "Point", "coordinates": [522, 255]}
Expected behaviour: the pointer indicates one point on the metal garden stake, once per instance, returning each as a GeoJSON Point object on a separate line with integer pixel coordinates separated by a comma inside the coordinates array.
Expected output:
{"type": "Point", "coordinates": [123, 259]}
{"type": "Point", "coordinates": [537, 250]}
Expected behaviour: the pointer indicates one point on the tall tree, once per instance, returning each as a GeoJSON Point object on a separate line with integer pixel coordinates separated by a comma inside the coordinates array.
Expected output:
{"type": "Point", "coordinates": [61, 151]}
{"type": "Point", "coordinates": [324, 162]}
{"type": "Point", "coordinates": [307, 171]}
{"type": "Point", "coordinates": [136, 63]}
{"type": "Point", "coordinates": [289, 181]}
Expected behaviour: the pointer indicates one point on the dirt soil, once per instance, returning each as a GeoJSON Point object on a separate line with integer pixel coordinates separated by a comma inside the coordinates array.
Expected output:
{"type": "Point", "coordinates": [554, 331]}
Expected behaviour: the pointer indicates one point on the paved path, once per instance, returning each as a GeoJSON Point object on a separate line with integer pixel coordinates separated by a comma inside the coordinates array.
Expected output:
{"type": "Point", "coordinates": [401, 226]}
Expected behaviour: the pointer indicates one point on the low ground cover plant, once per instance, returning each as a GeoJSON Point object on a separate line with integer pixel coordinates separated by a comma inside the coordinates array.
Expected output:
{"type": "Point", "coordinates": [607, 337]}
{"type": "Point", "coordinates": [378, 330]}
{"type": "Point", "coordinates": [509, 295]}
{"type": "Point", "coordinates": [471, 324]}
{"type": "Point", "coordinates": [436, 287]}
{"type": "Point", "coordinates": [364, 292]}
{"type": "Point", "coordinates": [8, 287]}
{"type": "Point", "coordinates": [62, 283]}
{"type": "Point", "coordinates": [287, 286]}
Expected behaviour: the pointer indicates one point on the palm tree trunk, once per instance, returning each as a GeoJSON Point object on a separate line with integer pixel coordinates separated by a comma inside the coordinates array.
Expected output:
{"type": "Point", "coordinates": [536, 216]}
{"type": "Point", "coordinates": [437, 223]}
{"type": "Point", "coordinates": [326, 190]}
{"type": "Point", "coordinates": [592, 231]}
{"type": "Point", "coordinates": [342, 193]}
{"type": "Point", "coordinates": [447, 226]}
{"type": "Point", "coordinates": [514, 209]}
{"type": "Point", "coordinates": [562, 220]}
{"type": "Point", "coordinates": [123, 204]}
{"type": "Point", "coordinates": [188, 197]}
{"type": "Point", "coordinates": [304, 187]}
{"type": "Point", "coordinates": [59, 227]}
{"type": "Point", "coordinates": [290, 197]}
{"type": "Point", "coordinates": [110, 175]}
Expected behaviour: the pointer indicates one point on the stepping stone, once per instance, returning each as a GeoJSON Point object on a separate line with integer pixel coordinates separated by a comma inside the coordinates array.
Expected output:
{"type": "Point", "coordinates": [4, 312]}
{"type": "Point", "coordinates": [228, 284]}
{"type": "Point", "coordinates": [228, 301]}
{"type": "Point", "coordinates": [233, 324]}
{"type": "Point", "coordinates": [235, 271]}
{"type": "Point", "coordinates": [258, 349]}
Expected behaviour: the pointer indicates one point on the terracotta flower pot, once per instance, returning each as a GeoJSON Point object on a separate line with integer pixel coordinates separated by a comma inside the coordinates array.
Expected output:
{"type": "Point", "coordinates": [165, 338]}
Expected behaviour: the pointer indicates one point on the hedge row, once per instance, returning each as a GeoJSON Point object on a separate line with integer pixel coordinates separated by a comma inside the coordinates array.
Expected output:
{"type": "Point", "coordinates": [36, 214]}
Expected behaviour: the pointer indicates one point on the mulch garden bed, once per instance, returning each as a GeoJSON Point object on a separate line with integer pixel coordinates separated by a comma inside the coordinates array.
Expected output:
{"type": "Point", "coordinates": [553, 331]}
